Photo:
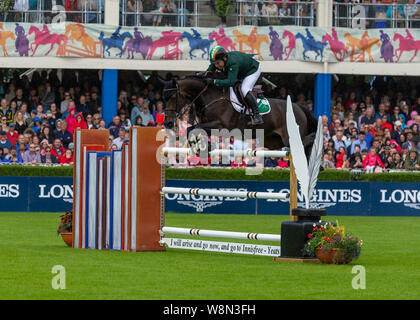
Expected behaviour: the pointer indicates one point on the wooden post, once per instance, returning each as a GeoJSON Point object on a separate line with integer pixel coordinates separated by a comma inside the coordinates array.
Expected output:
{"type": "Point", "coordinates": [293, 189]}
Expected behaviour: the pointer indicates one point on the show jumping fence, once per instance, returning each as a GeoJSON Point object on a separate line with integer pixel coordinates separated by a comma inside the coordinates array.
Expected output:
{"type": "Point", "coordinates": [119, 197]}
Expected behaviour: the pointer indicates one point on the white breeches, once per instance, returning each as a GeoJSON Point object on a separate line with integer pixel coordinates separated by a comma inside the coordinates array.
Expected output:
{"type": "Point", "coordinates": [249, 81]}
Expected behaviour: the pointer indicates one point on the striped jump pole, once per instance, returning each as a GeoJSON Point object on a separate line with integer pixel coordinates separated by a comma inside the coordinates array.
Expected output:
{"type": "Point", "coordinates": [226, 193]}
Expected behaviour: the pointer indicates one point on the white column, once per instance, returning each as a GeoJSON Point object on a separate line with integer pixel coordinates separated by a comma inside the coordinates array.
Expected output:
{"type": "Point", "coordinates": [324, 13]}
{"type": "Point", "coordinates": [112, 12]}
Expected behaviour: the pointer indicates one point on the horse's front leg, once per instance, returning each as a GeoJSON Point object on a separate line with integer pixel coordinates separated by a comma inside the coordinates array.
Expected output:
{"type": "Point", "coordinates": [33, 50]}
{"type": "Point", "coordinates": [415, 54]}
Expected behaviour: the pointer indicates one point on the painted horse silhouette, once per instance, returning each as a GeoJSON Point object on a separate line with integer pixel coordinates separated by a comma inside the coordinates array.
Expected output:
{"type": "Point", "coordinates": [253, 41]}
{"type": "Point", "coordinates": [4, 35]}
{"type": "Point", "coordinates": [44, 37]}
{"type": "Point", "coordinates": [22, 42]}
{"type": "Point", "coordinates": [197, 43]}
{"type": "Point", "coordinates": [363, 45]}
{"type": "Point", "coordinates": [310, 44]}
{"type": "Point", "coordinates": [276, 47]}
{"type": "Point", "coordinates": [291, 44]}
{"type": "Point", "coordinates": [337, 47]}
{"type": "Point", "coordinates": [387, 49]}
{"type": "Point", "coordinates": [116, 41]}
{"type": "Point", "coordinates": [222, 40]}
{"type": "Point", "coordinates": [141, 46]}
{"type": "Point", "coordinates": [406, 44]}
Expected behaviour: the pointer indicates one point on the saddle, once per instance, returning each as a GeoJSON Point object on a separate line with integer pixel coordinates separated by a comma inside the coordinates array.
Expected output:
{"type": "Point", "coordinates": [256, 91]}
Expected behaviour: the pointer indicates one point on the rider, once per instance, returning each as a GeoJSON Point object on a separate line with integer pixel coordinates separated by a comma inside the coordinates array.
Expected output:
{"type": "Point", "coordinates": [238, 66]}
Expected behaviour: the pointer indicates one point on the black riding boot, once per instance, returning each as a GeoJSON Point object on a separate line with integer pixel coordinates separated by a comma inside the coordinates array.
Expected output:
{"type": "Point", "coordinates": [253, 104]}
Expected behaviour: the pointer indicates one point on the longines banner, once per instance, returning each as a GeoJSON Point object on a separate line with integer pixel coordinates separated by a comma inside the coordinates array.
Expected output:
{"type": "Point", "coordinates": [314, 44]}
{"type": "Point", "coordinates": [55, 194]}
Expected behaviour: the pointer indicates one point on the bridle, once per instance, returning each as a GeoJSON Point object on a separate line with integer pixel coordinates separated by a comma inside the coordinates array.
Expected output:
{"type": "Point", "coordinates": [188, 106]}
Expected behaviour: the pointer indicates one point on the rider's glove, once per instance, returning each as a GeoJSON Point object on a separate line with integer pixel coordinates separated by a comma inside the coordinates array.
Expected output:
{"type": "Point", "coordinates": [210, 81]}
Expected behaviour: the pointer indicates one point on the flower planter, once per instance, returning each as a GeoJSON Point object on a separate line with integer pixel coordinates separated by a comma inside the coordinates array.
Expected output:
{"type": "Point", "coordinates": [326, 256]}
{"type": "Point", "coordinates": [67, 237]}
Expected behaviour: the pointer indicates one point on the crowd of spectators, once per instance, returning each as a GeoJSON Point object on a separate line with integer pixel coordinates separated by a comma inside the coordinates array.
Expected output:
{"type": "Point", "coordinates": [39, 116]}
{"type": "Point", "coordinates": [374, 125]}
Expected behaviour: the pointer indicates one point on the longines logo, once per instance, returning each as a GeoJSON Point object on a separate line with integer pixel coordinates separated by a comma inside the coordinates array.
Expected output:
{"type": "Point", "coordinates": [9, 190]}
{"type": "Point", "coordinates": [409, 198]}
{"type": "Point", "coordinates": [57, 191]}
{"type": "Point", "coordinates": [199, 203]}
{"type": "Point", "coordinates": [324, 198]}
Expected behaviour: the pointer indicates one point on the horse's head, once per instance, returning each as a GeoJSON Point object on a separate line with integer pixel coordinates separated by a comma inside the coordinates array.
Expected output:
{"type": "Point", "coordinates": [396, 36]}
{"type": "Point", "coordinates": [325, 38]}
{"type": "Point", "coordinates": [33, 29]}
{"type": "Point", "coordinates": [212, 35]}
{"type": "Point", "coordinates": [180, 96]}
{"type": "Point", "coordinates": [185, 34]}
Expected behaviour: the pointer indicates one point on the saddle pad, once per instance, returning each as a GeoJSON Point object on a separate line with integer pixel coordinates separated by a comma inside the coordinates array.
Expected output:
{"type": "Point", "coordinates": [263, 104]}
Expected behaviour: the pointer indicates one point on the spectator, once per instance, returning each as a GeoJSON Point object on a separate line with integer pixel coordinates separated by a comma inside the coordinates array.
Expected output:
{"type": "Point", "coordinates": [339, 140]}
{"type": "Point", "coordinates": [270, 12]}
{"type": "Point", "coordinates": [67, 158]}
{"type": "Point", "coordinates": [46, 134]}
{"type": "Point", "coordinates": [5, 111]}
{"type": "Point", "coordinates": [369, 118]}
{"type": "Point", "coordinates": [80, 123]}
{"type": "Point", "coordinates": [31, 156]}
{"type": "Point", "coordinates": [133, 7]}
{"type": "Point", "coordinates": [12, 134]}
{"type": "Point", "coordinates": [119, 141]}
{"type": "Point", "coordinates": [82, 106]}
{"type": "Point", "coordinates": [48, 158]}
{"type": "Point", "coordinates": [96, 119]}
{"type": "Point", "coordinates": [159, 113]}
{"type": "Point", "coordinates": [115, 126]}
{"type": "Point", "coordinates": [147, 118]}
{"type": "Point", "coordinates": [396, 162]}
{"type": "Point", "coordinates": [137, 109]}
{"type": "Point", "coordinates": [326, 162]}
{"type": "Point", "coordinates": [412, 162]}
{"type": "Point", "coordinates": [372, 161]}
{"type": "Point", "coordinates": [71, 120]}
{"type": "Point", "coordinates": [36, 125]}
{"type": "Point", "coordinates": [65, 136]}
{"type": "Point", "coordinates": [4, 143]}
{"type": "Point", "coordinates": [48, 97]}
{"type": "Point", "coordinates": [356, 161]}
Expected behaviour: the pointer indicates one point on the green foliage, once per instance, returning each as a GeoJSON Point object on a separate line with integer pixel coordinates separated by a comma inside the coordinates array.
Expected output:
{"type": "Point", "coordinates": [327, 237]}
{"type": "Point", "coordinates": [66, 223]}
{"type": "Point", "coordinates": [36, 171]}
{"type": "Point", "coordinates": [223, 8]}
{"type": "Point", "coordinates": [5, 6]}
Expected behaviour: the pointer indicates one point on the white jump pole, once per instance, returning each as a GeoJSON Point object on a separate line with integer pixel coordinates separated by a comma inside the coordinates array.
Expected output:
{"type": "Point", "coordinates": [222, 234]}
{"type": "Point", "coordinates": [227, 193]}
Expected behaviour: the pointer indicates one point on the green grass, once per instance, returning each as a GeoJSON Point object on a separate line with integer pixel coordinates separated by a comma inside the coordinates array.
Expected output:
{"type": "Point", "coordinates": [29, 248]}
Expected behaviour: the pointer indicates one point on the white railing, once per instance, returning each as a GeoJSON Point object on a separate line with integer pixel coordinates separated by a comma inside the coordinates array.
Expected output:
{"type": "Point", "coordinates": [376, 16]}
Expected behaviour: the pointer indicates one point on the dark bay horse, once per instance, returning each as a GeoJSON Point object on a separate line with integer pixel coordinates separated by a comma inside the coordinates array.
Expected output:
{"type": "Point", "coordinates": [213, 108]}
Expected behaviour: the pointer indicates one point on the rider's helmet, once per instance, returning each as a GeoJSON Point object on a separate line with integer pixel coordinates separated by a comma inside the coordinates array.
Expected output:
{"type": "Point", "coordinates": [217, 53]}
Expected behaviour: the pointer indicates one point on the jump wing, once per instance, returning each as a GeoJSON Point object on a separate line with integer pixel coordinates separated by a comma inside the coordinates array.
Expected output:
{"type": "Point", "coordinates": [298, 152]}
{"type": "Point", "coordinates": [315, 159]}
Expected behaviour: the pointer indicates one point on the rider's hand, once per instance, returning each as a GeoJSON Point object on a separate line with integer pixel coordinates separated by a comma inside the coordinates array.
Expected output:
{"type": "Point", "coordinates": [210, 81]}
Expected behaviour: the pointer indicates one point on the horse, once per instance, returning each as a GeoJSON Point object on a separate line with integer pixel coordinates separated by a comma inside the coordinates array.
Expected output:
{"type": "Point", "coordinates": [213, 108]}
{"type": "Point", "coordinates": [406, 45]}
{"type": "Point", "coordinates": [117, 42]}
{"type": "Point", "coordinates": [77, 32]}
{"type": "Point", "coordinates": [387, 49]}
{"type": "Point", "coordinates": [138, 46]}
{"type": "Point", "coordinates": [22, 42]}
{"type": "Point", "coordinates": [291, 44]}
{"type": "Point", "coordinates": [338, 48]}
{"type": "Point", "coordinates": [45, 37]}
{"type": "Point", "coordinates": [276, 47]}
{"type": "Point", "coordinates": [198, 44]}
{"type": "Point", "coordinates": [222, 41]}
{"type": "Point", "coordinates": [364, 45]}
{"type": "Point", "coordinates": [311, 45]}
{"type": "Point", "coordinates": [4, 35]}
{"type": "Point", "coordinates": [253, 41]}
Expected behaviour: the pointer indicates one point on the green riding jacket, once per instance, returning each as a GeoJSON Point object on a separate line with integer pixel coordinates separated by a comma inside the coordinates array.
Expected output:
{"type": "Point", "coordinates": [238, 66]}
